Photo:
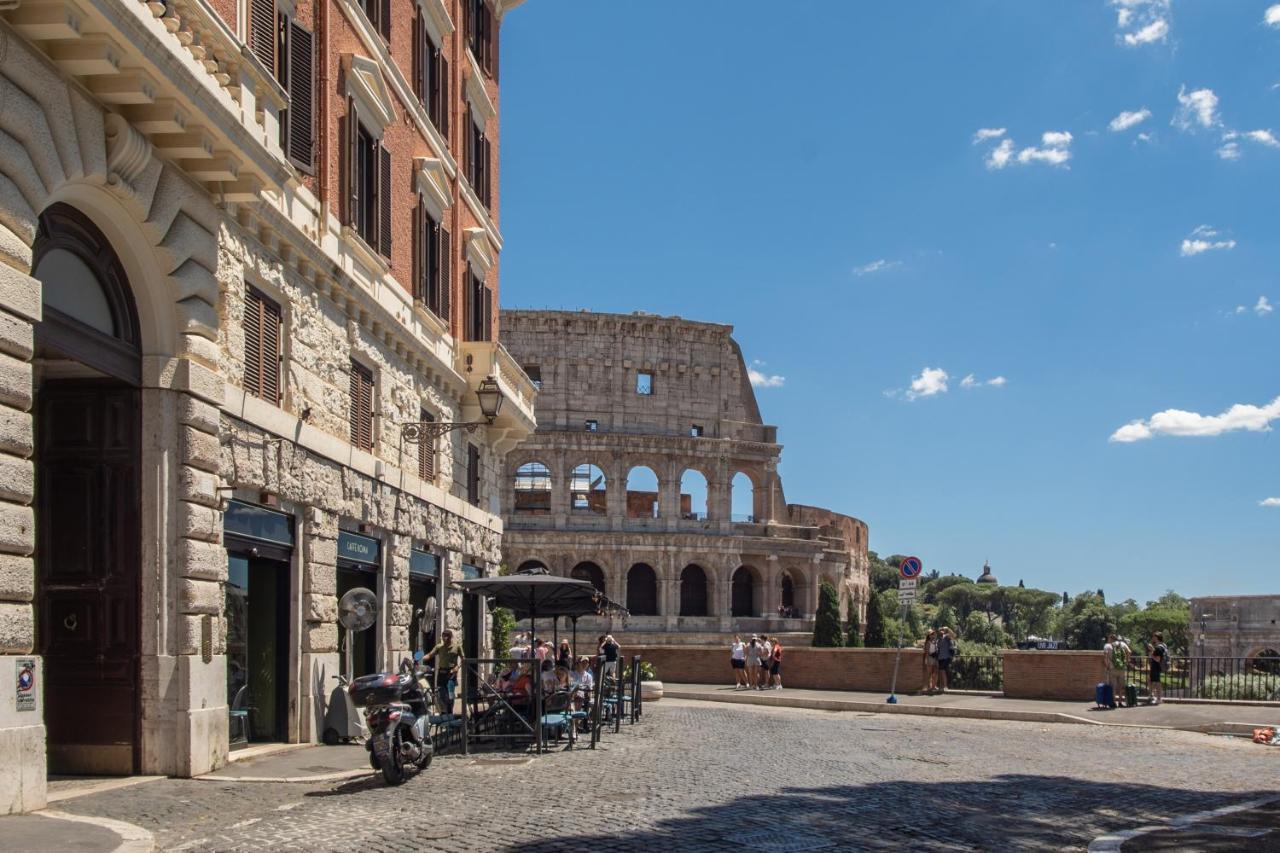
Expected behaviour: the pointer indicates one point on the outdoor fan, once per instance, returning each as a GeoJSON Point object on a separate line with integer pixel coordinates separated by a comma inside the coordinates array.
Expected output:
{"type": "Point", "coordinates": [426, 623]}
{"type": "Point", "coordinates": [357, 611]}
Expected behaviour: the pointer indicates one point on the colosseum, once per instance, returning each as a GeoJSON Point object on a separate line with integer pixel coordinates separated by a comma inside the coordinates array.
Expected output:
{"type": "Point", "coordinates": [653, 475]}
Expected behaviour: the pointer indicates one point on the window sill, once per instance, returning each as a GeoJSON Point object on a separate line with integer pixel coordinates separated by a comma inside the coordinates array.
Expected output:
{"type": "Point", "coordinates": [363, 251]}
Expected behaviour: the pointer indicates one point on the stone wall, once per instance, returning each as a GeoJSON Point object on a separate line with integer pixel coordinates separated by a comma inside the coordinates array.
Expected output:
{"type": "Point", "coordinates": [1235, 626]}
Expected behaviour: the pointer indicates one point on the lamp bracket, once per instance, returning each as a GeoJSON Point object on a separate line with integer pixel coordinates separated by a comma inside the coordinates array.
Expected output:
{"type": "Point", "coordinates": [416, 432]}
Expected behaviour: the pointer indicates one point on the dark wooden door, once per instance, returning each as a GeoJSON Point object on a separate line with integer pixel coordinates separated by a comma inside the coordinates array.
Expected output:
{"type": "Point", "coordinates": [87, 567]}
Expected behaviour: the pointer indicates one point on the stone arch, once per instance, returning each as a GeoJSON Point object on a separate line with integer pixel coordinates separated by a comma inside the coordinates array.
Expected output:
{"type": "Point", "coordinates": [694, 591]}
{"type": "Point", "coordinates": [532, 486]}
{"type": "Point", "coordinates": [642, 492]}
{"type": "Point", "coordinates": [743, 494]}
{"type": "Point", "coordinates": [592, 572]}
{"type": "Point", "coordinates": [642, 590]}
{"type": "Point", "coordinates": [532, 564]}
{"type": "Point", "coordinates": [1265, 659]}
{"type": "Point", "coordinates": [746, 594]}
{"type": "Point", "coordinates": [695, 498]}
{"type": "Point", "coordinates": [588, 489]}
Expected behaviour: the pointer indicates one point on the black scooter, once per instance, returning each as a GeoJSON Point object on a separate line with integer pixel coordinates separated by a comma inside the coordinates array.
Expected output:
{"type": "Point", "coordinates": [397, 712]}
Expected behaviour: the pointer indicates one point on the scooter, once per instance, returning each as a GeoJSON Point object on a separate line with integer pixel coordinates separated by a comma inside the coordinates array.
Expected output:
{"type": "Point", "coordinates": [342, 722]}
{"type": "Point", "coordinates": [397, 711]}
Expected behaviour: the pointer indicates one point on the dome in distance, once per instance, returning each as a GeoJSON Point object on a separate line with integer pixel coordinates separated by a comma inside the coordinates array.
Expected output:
{"type": "Point", "coordinates": [987, 577]}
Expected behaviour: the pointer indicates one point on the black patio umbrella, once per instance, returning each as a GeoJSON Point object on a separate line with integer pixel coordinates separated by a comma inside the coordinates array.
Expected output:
{"type": "Point", "coordinates": [530, 595]}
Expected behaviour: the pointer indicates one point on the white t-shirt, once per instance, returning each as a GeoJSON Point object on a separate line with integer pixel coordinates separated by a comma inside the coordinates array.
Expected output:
{"type": "Point", "coordinates": [768, 650]}
{"type": "Point", "coordinates": [739, 650]}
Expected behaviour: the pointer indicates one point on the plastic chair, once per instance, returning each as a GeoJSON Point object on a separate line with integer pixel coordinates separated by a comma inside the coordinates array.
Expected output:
{"type": "Point", "coordinates": [240, 710]}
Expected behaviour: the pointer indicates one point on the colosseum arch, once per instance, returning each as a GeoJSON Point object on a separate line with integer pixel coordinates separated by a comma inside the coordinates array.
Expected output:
{"type": "Point", "coordinates": [743, 503]}
{"type": "Point", "coordinates": [532, 486]}
{"type": "Point", "coordinates": [642, 490]}
{"type": "Point", "coordinates": [642, 590]}
{"type": "Point", "coordinates": [588, 489]}
{"type": "Point", "coordinates": [746, 592]}
{"type": "Point", "coordinates": [793, 593]}
{"type": "Point", "coordinates": [533, 565]}
{"type": "Point", "coordinates": [589, 571]}
{"type": "Point", "coordinates": [694, 591]}
{"type": "Point", "coordinates": [694, 495]}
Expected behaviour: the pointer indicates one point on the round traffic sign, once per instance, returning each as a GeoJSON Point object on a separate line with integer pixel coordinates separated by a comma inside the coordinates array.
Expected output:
{"type": "Point", "coordinates": [911, 568]}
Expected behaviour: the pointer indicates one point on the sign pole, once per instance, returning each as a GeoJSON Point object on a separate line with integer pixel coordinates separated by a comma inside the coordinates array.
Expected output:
{"type": "Point", "coordinates": [893, 685]}
{"type": "Point", "coordinates": [909, 576]}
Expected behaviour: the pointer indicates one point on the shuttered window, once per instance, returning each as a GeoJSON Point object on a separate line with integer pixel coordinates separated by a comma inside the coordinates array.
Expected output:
{"type": "Point", "coordinates": [297, 77]}
{"type": "Point", "coordinates": [481, 35]}
{"type": "Point", "coordinates": [264, 32]}
{"type": "Point", "coordinates": [262, 333]}
{"type": "Point", "coordinates": [473, 475]}
{"type": "Point", "coordinates": [432, 247]}
{"type": "Point", "coordinates": [384, 202]}
{"type": "Point", "coordinates": [361, 406]}
{"type": "Point", "coordinates": [366, 183]}
{"type": "Point", "coordinates": [475, 153]}
{"type": "Point", "coordinates": [430, 75]}
{"type": "Point", "coordinates": [379, 14]}
{"type": "Point", "coordinates": [478, 321]}
{"type": "Point", "coordinates": [426, 452]}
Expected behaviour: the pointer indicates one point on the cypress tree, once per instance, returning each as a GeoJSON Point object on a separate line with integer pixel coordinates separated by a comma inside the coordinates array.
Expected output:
{"type": "Point", "coordinates": [875, 637]}
{"type": "Point", "coordinates": [855, 628]}
{"type": "Point", "coordinates": [826, 622]}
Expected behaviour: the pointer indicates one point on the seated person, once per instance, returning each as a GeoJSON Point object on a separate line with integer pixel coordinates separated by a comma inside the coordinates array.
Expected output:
{"type": "Point", "coordinates": [521, 687]}
{"type": "Point", "coordinates": [563, 682]}
{"type": "Point", "coordinates": [548, 678]}
{"type": "Point", "coordinates": [583, 681]}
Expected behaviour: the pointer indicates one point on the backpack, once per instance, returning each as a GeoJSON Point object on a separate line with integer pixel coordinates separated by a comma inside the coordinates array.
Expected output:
{"type": "Point", "coordinates": [1117, 655]}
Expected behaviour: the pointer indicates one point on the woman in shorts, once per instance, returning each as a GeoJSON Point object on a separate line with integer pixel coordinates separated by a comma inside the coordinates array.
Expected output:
{"type": "Point", "coordinates": [738, 661]}
{"type": "Point", "coordinates": [931, 661]}
{"type": "Point", "coordinates": [753, 662]}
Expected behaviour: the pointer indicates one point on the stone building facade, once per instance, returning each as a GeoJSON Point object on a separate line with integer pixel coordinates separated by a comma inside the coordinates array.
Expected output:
{"type": "Point", "coordinates": [644, 424]}
{"type": "Point", "coordinates": [1236, 626]}
{"type": "Point", "coordinates": [243, 243]}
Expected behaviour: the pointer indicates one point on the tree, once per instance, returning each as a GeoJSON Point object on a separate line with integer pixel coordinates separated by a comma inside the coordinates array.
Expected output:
{"type": "Point", "coordinates": [503, 622]}
{"type": "Point", "coordinates": [875, 636]}
{"type": "Point", "coordinates": [945, 617]}
{"type": "Point", "coordinates": [1170, 601]}
{"type": "Point", "coordinates": [977, 629]}
{"type": "Point", "coordinates": [882, 575]}
{"type": "Point", "coordinates": [854, 638]}
{"type": "Point", "coordinates": [1174, 624]}
{"type": "Point", "coordinates": [935, 587]}
{"type": "Point", "coordinates": [826, 622]}
{"type": "Point", "coordinates": [1086, 622]}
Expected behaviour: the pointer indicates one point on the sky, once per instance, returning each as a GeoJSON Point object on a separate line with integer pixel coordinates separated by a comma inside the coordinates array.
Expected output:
{"type": "Point", "coordinates": [1004, 271]}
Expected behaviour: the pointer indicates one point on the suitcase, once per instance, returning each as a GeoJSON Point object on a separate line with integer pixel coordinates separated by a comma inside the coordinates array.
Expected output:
{"type": "Point", "coordinates": [1131, 695]}
{"type": "Point", "coordinates": [1104, 695]}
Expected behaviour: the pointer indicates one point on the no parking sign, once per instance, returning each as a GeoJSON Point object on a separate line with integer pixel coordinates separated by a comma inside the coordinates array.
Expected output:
{"type": "Point", "coordinates": [911, 568]}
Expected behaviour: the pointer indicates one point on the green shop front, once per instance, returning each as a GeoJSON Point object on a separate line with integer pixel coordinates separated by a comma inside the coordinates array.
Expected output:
{"type": "Point", "coordinates": [424, 598]}
{"type": "Point", "coordinates": [360, 565]}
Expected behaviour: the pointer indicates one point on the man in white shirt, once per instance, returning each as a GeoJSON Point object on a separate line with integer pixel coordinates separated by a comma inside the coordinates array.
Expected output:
{"type": "Point", "coordinates": [1116, 656]}
{"type": "Point", "coordinates": [766, 655]}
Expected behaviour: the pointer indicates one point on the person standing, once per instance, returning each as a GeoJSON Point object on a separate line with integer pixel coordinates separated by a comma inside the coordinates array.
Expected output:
{"type": "Point", "coordinates": [564, 656]}
{"type": "Point", "coordinates": [1158, 659]}
{"type": "Point", "coordinates": [738, 661]}
{"type": "Point", "coordinates": [1116, 655]}
{"type": "Point", "coordinates": [609, 651]}
{"type": "Point", "coordinates": [753, 663]}
{"type": "Point", "coordinates": [775, 664]}
{"type": "Point", "coordinates": [766, 657]}
{"type": "Point", "coordinates": [946, 651]}
{"type": "Point", "coordinates": [448, 657]}
{"type": "Point", "coordinates": [931, 661]}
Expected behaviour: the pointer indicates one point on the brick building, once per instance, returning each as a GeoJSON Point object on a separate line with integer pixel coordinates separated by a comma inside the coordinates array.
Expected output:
{"type": "Point", "coordinates": [244, 244]}
{"type": "Point", "coordinates": [648, 434]}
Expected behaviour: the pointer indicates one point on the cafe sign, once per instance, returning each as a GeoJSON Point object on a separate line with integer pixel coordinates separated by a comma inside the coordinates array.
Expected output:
{"type": "Point", "coordinates": [357, 549]}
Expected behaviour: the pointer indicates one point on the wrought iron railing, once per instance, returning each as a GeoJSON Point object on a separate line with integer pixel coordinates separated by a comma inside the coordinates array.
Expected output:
{"type": "Point", "coordinates": [1231, 679]}
{"type": "Point", "coordinates": [976, 672]}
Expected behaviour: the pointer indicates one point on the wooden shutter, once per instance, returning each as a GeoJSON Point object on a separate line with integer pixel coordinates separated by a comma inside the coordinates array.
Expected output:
{"type": "Point", "coordinates": [361, 406]}
{"type": "Point", "coordinates": [384, 19]}
{"type": "Point", "coordinates": [262, 325]}
{"type": "Point", "coordinates": [426, 452]}
{"type": "Point", "coordinates": [468, 305]}
{"type": "Point", "coordinates": [473, 474]}
{"type": "Point", "coordinates": [419, 270]}
{"type": "Point", "coordinates": [301, 114]}
{"type": "Point", "coordinates": [442, 120]}
{"type": "Point", "coordinates": [419, 62]}
{"type": "Point", "coordinates": [444, 282]}
{"type": "Point", "coordinates": [494, 30]}
{"type": "Point", "coordinates": [384, 201]}
{"type": "Point", "coordinates": [488, 314]}
{"type": "Point", "coordinates": [349, 134]}
{"type": "Point", "coordinates": [468, 131]}
{"type": "Point", "coordinates": [263, 32]}
{"type": "Point", "coordinates": [252, 342]}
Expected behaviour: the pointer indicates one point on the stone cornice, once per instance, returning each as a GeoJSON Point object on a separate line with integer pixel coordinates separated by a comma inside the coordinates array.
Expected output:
{"type": "Point", "coordinates": [439, 24]}
{"type": "Point", "coordinates": [365, 83]}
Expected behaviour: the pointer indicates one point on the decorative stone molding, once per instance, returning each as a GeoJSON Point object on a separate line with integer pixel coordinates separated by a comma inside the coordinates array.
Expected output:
{"type": "Point", "coordinates": [128, 153]}
{"type": "Point", "coordinates": [436, 17]}
{"type": "Point", "coordinates": [482, 109]}
{"type": "Point", "coordinates": [368, 87]}
{"type": "Point", "coordinates": [479, 249]}
{"type": "Point", "coordinates": [433, 183]}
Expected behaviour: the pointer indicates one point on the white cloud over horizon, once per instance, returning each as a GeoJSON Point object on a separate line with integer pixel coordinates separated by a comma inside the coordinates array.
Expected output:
{"type": "Point", "coordinates": [1177, 422]}
{"type": "Point", "coordinates": [1201, 240]}
{"type": "Point", "coordinates": [1263, 136]}
{"type": "Point", "coordinates": [1128, 119]}
{"type": "Point", "coordinates": [1263, 306]}
{"type": "Point", "coordinates": [878, 265]}
{"type": "Point", "coordinates": [759, 379]}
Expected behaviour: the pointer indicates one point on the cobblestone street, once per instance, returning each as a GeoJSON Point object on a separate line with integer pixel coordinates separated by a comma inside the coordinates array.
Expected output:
{"type": "Point", "coordinates": [702, 776]}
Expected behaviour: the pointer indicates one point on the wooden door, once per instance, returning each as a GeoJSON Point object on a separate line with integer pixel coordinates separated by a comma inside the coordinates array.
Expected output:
{"type": "Point", "coordinates": [87, 570]}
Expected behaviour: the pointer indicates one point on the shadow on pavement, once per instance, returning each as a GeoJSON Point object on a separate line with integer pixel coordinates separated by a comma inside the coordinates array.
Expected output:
{"type": "Point", "coordinates": [1009, 812]}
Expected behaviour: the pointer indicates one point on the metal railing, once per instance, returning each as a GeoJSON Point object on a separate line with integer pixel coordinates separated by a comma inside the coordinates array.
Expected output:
{"type": "Point", "coordinates": [1229, 679]}
{"type": "Point", "coordinates": [976, 672]}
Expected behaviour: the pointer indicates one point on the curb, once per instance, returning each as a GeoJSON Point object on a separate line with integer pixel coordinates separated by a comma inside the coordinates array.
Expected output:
{"type": "Point", "coordinates": [133, 839]}
{"type": "Point", "coordinates": [1218, 728]}
{"type": "Point", "coordinates": [340, 776]}
{"type": "Point", "coordinates": [1113, 842]}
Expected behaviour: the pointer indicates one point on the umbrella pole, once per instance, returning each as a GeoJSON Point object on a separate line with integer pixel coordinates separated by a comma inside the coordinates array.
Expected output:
{"type": "Point", "coordinates": [575, 634]}
{"type": "Point", "coordinates": [555, 634]}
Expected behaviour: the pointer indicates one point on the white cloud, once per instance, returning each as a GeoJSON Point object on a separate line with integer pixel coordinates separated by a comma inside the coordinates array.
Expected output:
{"type": "Point", "coordinates": [1052, 156]}
{"type": "Point", "coordinates": [1263, 307]}
{"type": "Point", "coordinates": [1198, 107]}
{"type": "Point", "coordinates": [1201, 240]}
{"type": "Point", "coordinates": [1144, 137]}
{"type": "Point", "coordinates": [1229, 151]}
{"type": "Point", "coordinates": [764, 380]}
{"type": "Point", "coordinates": [931, 381]}
{"type": "Point", "coordinates": [1141, 21]}
{"type": "Point", "coordinates": [879, 265]}
{"type": "Point", "coordinates": [1176, 422]}
{"type": "Point", "coordinates": [1056, 139]}
{"type": "Point", "coordinates": [985, 133]}
{"type": "Point", "coordinates": [971, 381]}
{"type": "Point", "coordinates": [1263, 137]}
{"type": "Point", "coordinates": [1000, 155]}
{"type": "Point", "coordinates": [1128, 119]}
{"type": "Point", "coordinates": [1270, 501]}
{"type": "Point", "coordinates": [1271, 17]}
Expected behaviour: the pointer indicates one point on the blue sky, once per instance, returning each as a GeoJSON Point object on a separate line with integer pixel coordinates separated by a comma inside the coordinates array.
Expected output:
{"type": "Point", "coordinates": [813, 174]}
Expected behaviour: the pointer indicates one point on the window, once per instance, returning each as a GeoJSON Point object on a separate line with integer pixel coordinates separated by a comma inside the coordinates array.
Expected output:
{"type": "Point", "coordinates": [592, 425]}
{"type": "Point", "coordinates": [476, 156]}
{"type": "Point", "coordinates": [366, 183]}
{"type": "Point", "coordinates": [379, 14]}
{"type": "Point", "coordinates": [644, 384]}
{"type": "Point", "coordinates": [473, 475]}
{"type": "Point", "coordinates": [262, 332]}
{"type": "Point", "coordinates": [430, 75]}
{"type": "Point", "coordinates": [286, 50]}
{"type": "Point", "coordinates": [479, 315]}
{"type": "Point", "coordinates": [426, 451]}
{"type": "Point", "coordinates": [534, 372]}
{"type": "Point", "coordinates": [533, 488]}
{"type": "Point", "coordinates": [482, 36]}
{"type": "Point", "coordinates": [360, 405]}
{"type": "Point", "coordinates": [696, 431]}
{"type": "Point", "coordinates": [432, 254]}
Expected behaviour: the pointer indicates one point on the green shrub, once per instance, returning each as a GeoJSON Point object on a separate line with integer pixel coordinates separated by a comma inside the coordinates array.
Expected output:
{"type": "Point", "coordinates": [826, 623]}
{"type": "Point", "coordinates": [1254, 686]}
{"type": "Point", "coordinates": [502, 624]}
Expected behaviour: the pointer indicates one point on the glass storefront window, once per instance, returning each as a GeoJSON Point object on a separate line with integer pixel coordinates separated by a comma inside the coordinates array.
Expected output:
{"type": "Point", "coordinates": [256, 522]}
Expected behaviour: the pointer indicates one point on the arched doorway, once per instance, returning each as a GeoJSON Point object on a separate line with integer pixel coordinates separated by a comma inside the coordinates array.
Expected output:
{"type": "Point", "coordinates": [589, 572]}
{"type": "Point", "coordinates": [743, 598]}
{"type": "Point", "coordinates": [788, 596]}
{"type": "Point", "coordinates": [642, 590]}
{"type": "Point", "coordinates": [531, 566]}
{"type": "Point", "coordinates": [693, 591]}
{"type": "Point", "coordinates": [87, 364]}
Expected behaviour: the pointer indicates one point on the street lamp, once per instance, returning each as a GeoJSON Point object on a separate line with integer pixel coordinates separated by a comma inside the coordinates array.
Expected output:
{"type": "Point", "coordinates": [490, 398]}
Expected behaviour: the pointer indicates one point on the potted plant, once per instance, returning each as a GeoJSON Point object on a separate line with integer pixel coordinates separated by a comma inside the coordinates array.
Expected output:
{"type": "Point", "coordinates": [650, 686]}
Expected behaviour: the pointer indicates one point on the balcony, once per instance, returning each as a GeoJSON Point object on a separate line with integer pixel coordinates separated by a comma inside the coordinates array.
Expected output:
{"type": "Point", "coordinates": [477, 360]}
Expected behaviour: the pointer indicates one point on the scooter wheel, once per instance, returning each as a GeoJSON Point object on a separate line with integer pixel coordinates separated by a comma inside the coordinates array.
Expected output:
{"type": "Point", "coordinates": [330, 737]}
{"type": "Point", "coordinates": [424, 760]}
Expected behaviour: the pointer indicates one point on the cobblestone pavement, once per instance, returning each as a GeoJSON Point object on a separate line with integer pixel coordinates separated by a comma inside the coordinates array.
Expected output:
{"type": "Point", "coordinates": [704, 776]}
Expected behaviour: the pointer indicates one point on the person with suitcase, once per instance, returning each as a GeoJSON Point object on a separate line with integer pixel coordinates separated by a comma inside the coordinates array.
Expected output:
{"type": "Point", "coordinates": [1116, 656]}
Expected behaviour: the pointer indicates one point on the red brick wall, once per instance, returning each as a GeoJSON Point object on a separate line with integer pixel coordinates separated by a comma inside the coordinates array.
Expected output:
{"type": "Point", "coordinates": [802, 666]}
{"type": "Point", "coordinates": [1052, 675]}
